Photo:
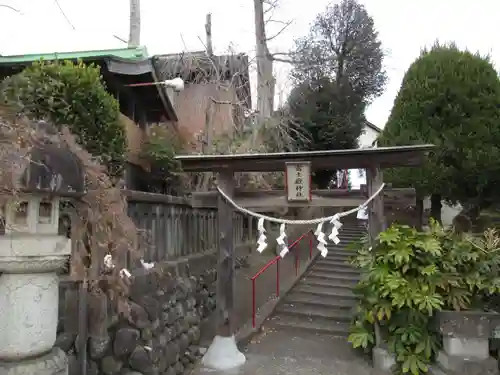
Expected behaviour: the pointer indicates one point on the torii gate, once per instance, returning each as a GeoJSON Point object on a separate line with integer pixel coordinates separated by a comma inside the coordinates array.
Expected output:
{"type": "Point", "coordinates": [223, 352]}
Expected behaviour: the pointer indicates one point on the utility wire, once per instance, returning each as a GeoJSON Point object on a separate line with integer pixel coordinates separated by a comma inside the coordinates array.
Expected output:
{"type": "Point", "coordinates": [68, 20]}
{"type": "Point", "coordinates": [64, 14]}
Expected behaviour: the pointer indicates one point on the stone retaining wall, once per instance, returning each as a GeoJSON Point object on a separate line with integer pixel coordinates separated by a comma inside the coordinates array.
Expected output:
{"type": "Point", "coordinates": [161, 330]}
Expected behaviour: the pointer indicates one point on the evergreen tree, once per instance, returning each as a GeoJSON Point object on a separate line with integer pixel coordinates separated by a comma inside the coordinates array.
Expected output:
{"type": "Point", "coordinates": [338, 71]}
{"type": "Point", "coordinates": [449, 98]}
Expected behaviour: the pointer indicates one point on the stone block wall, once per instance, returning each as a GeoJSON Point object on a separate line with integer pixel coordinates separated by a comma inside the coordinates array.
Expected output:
{"type": "Point", "coordinates": [160, 331]}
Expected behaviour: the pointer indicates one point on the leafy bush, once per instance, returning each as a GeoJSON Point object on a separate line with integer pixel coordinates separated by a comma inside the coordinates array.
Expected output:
{"type": "Point", "coordinates": [408, 276]}
{"type": "Point", "coordinates": [72, 94]}
{"type": "Point", "coordinates": [160, 148]}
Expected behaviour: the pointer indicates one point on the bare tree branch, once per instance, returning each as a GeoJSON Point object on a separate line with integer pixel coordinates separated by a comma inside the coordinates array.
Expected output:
{"type": "Point", "coordinates": [271, 5]}
{"type": "Point", "coordinates": [279, 32]}
{"type": "Point", "coordinates": [11, 8]}
{"type": "Point", "coordinates": [284, 57]}
{"type": "Point", "coordinates": [120, 39]}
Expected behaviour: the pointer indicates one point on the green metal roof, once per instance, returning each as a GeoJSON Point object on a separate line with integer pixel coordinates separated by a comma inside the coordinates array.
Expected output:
{"type": "Point", "coordinates": [124, 53]}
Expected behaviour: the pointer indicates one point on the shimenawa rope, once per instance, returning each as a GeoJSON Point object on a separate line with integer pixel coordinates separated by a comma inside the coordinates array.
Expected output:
{"type": "Point", "coordinates": [300, 222]}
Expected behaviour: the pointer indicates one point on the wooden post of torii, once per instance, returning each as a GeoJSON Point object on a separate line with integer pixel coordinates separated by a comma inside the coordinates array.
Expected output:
{"type": "Point", "coordinates": [225, 269]}
{"type": "Point", "coordinates": [376, 218]}
{"type": "Point", "coordinates": [223, 352]}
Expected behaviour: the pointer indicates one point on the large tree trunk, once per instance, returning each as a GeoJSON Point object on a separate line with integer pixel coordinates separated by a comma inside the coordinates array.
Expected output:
{"type": "Point", "coordinates": [134, 39]}
{"type": "Point", "coordinates": [420, 213]}
{"type": "Point", "coordinates": [472, 211]}
{"type": "Point", "coordinates": [265, 78]}
{"type": "Point", "coordinates": [436, 206]}
{"type": "Point", "coordinates": [208, 35]}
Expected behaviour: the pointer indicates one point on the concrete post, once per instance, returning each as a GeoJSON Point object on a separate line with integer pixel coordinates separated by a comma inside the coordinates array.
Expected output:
{"type": "Point", "coordinates": [31, 253]}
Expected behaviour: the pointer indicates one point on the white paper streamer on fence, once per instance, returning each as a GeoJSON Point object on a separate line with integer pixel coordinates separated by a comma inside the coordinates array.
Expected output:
{"type": "Point", "coordinates": [125, 272]}
{"type": "Point", "coordinates": [282, 241]}
{"type": "Point", "coordinates": [109, 265]}
{"type": "Point", "coordinates": [147, 265]}
{"type": "Point", "coordinates": [108, 262]}
{"type": "Point", "coordinates": [262, 237]}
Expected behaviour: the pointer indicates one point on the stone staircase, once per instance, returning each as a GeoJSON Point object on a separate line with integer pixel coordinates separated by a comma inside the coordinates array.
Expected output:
{"type": "Point", "coordinates": [322, 301]}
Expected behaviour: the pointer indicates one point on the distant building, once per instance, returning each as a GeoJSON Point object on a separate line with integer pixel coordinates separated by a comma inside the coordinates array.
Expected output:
{"type": "Point", "coordinates": [368, 137]}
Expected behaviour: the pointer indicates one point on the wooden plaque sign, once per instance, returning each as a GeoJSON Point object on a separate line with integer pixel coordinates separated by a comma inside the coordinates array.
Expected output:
{"type": "Point", "coordinates": [298, 181]}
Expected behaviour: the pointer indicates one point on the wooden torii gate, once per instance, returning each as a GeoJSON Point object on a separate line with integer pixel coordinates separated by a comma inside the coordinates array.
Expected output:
{"type": "Point", "coordinates": [373, 160]}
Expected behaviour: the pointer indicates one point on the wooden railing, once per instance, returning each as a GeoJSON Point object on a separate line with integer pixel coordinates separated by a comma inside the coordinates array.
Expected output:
{"type": "Point", "coordinates": [174, 229]}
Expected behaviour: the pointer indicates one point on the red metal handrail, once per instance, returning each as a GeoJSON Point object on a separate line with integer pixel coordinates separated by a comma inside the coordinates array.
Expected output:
{"type": "Point", "coordinates": [277, 261]}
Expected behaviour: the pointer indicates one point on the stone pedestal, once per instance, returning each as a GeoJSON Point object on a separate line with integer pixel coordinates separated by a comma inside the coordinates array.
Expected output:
{"type": "Point", "coordinates": [53, 363]}
{"type": "Point", "coordinates": [465, 343]}
{"type": "Point", "coordinates": [31, 253]}
{"type": "Point", "coordinates": [383, 361]}
{"type": "Point", "coordinates": [466, 356]}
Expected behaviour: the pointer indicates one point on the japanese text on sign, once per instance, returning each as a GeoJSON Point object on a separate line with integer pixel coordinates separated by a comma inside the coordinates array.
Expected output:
{"type": "Point", "coordinates": [298, 181]}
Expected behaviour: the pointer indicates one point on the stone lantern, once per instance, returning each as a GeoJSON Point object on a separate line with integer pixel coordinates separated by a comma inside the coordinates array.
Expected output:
{"type": "Point", "coordinates": [31, 254]}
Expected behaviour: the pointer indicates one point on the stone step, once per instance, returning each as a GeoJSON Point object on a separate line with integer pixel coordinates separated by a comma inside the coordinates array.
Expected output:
{"type": "Point", "coordinates": [334, 263]}
{"type": "Point", "coordinates": [351, 237]}
{"type": "Point", "coordinates": [345, 237]}
{"type": "Point", "coordinates": [317, 290]}
{"type": "Point", "coordinates": [333, 276]}
{"type": "Point", "coordinates": [346, 254]}
{"type": "Point", "coordinates": [342, 246]}
{"type": "Point", "coordinates": [345, 244]}
{"type": "Point", "coordinates": [308, 299]}
{"type": "Point", "coordinates": [333, 284]}
{"type": "Point", "coordinates": [308, 311]}
{"type": "Point", "coordinates": [317, 325]}
{"type": "Point", "coordinates": [334, 269]}
{"type": "Point", "coordinates": [339, 257]}
{"type": "Point", "coordinates": [356, 231]}
{"type": "Point", "coordinates": [328, 259]}
{"type": "Point", "coordinates": [338, 249]}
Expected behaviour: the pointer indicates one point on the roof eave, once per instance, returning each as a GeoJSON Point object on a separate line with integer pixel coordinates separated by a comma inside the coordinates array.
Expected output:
{"type": "Point", "coordinates": [145, 66]}
{"type": "Point", "coordinates": [373, 127]}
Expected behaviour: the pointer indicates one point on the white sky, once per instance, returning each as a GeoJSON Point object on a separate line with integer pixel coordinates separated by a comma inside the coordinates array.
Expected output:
{"type": "Point", "coordinates": [405, 27]}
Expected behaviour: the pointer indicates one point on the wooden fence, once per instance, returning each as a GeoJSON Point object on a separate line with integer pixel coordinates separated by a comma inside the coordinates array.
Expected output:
{"type": "Point", "coordinates": [174, 229]}
{"type": "Point", "coordinates": [170, 227]}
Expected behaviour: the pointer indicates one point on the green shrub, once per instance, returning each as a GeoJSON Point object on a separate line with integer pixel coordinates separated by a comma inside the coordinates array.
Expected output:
{"type": "Point", "coordinates": [160, 148]}
{"type": "Point", "coordinates": [408, 276]}
{"type": "Point", "coordinates": [72, 94]}
{"type": "Point", "coordinates": [449, 98]}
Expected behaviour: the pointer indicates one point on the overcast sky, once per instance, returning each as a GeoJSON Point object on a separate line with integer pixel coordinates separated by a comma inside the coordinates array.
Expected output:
{"type": "Point", "coordinates": [405, 27]}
